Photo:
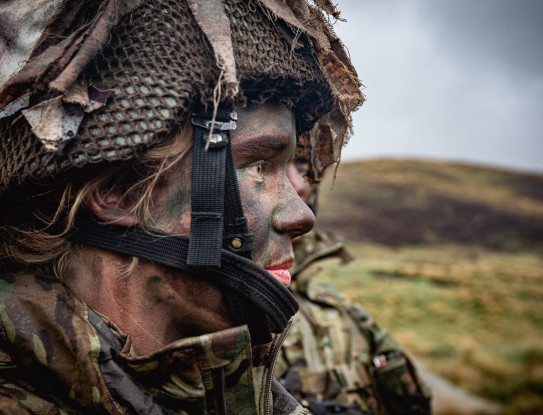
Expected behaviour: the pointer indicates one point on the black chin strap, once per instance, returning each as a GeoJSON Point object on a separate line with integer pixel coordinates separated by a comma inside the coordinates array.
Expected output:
{"type": "Point", "coordinates": [260, 290]}
{"type": "Point", "coordinates": [215, 199]}
{"type": "Point", "coordinates": [220, 244]}
{"type": "Point", "coordinates": [217, 219]}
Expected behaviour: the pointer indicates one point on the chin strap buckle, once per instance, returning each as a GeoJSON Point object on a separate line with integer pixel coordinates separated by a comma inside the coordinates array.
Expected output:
{"type": "Point", "coordinates": [217, 129]}
{"type": "Point", "coordinates": [220, 124]}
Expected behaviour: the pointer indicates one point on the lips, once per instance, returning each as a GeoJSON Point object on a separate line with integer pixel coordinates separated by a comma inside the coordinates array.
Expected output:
{"type": "Point", "coordinates": [282, 275]}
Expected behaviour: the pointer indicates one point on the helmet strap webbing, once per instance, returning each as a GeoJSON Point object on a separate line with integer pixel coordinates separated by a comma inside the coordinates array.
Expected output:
{"type": "Point", "coordinates": [217, 218]}
{"type": "Point", "coordinates": [215, 199]}
{"type": "Point", "coordinates": [207, 193]}
{"type": "Point", "coordinates": [257, 292]}
{"type": "Point", "coordinates": [220, 244]}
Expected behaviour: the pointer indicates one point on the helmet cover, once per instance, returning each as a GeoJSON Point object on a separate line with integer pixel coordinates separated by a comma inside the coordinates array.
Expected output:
{"type": "Point", "coordinates": [105, 82]}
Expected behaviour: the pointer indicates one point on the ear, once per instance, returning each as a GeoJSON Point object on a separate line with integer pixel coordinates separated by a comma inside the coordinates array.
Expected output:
{"type": "Point", "coordinates": [110, 206]}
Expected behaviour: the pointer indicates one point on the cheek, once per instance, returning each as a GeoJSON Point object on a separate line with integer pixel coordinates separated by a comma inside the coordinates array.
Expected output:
{"type": "Point", "coordinates": [180, 226]}
{"type": "Point", "coordinates": [177, 212]}
{"type": "Point", "coordinates": [257, 208]}
{"type": "Point", "coordinates": [172, 205]}
{"type": "Point", "coordinates": [173, 216]}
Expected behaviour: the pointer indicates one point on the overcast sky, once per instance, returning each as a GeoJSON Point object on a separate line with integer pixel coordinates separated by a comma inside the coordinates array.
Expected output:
{"type": "Point", "coordinates": [459, 80]}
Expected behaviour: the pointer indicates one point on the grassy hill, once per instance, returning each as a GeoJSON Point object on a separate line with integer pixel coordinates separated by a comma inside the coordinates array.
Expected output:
{"type": "Point", "coordinates": [411, 202]}
{"type": "Point", "coordinates": [449, 259]}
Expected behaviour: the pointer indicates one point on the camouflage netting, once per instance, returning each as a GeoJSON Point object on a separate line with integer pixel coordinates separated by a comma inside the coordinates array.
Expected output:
{"type": "Point", "coordinates": [158, 64]}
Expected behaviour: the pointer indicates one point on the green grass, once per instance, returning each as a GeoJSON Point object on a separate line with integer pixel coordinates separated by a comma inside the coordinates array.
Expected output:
{"type": "Point", "coordinates": [449, 259]}
{"type": "Point", "coordinates": [473, 316]}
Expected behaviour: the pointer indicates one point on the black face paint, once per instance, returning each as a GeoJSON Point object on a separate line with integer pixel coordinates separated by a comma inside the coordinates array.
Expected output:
{"type": "Point", "coordinates": [154, 281]}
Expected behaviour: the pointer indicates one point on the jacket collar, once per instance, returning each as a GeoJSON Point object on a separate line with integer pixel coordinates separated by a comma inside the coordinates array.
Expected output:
{"type": "Point", "coordinates": [47, 329]}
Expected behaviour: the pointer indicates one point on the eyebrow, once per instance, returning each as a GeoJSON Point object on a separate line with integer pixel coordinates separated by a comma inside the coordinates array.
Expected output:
{"type": "Point", "coordinates": [261, 145]}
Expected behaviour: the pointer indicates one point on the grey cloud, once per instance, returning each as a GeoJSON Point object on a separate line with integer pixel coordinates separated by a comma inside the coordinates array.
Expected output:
{"type": "Point", "coordinates": [448, 79]}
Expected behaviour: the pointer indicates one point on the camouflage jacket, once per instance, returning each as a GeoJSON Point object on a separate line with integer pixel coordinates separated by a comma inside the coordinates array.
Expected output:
{"type": "Point", "coordinates": [58, 356]}
{"type": "Point", "coordinates": [336, 359]}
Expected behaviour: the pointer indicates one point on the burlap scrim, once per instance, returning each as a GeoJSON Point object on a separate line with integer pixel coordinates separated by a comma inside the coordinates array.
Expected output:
{"type": "Point", "coordinates": [158, 66]}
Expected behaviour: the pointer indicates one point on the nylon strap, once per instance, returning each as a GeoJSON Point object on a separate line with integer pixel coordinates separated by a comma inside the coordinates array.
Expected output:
{"type": "Point", "coordinates": [207, 193]}
{"type": "Point", "coordinates": [237, 274]}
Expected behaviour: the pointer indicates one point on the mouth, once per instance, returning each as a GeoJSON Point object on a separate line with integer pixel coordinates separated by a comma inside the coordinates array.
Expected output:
{"type": "Point", "coordinates": [281, 273]}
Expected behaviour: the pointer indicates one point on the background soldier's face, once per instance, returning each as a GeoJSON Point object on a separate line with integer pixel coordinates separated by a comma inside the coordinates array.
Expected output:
{"type": "Point", "coordinates": [297, 173]}
{"type": "Point", "coordinates": [263, 144]}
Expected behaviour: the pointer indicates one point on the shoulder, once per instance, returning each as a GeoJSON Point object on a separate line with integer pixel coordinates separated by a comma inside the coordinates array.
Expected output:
{"type": "Point", "coordinates": [326, 293]}
{"type": "Point", "coordinates": [316, 245]}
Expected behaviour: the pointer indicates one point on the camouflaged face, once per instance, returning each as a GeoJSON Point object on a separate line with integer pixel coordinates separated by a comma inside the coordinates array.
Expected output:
{"type": "Point", "coordinates": [58, 356]}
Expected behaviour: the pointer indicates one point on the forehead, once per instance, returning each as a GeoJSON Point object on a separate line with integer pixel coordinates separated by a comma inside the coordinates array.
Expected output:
{"type": "Point", "coordinates": [269, 124]}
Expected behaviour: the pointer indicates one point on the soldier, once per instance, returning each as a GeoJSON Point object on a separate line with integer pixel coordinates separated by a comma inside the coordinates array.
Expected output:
{"type": "Point", "coordinates": [147, 219]}
{"type": "Point", "coordinates": [336, 359]}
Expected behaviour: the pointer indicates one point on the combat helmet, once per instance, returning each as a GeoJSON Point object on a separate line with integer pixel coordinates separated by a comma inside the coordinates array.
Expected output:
{"type": "Point", "coordinates": [104, 81]}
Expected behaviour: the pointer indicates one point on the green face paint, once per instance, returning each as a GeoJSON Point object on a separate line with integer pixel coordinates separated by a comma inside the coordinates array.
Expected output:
{"type": "Point", "coordinates": [263, 144]}
{"type": "Point", "coordinates": [178, 203]}
{"type": "Point", "coordinates": [154, 281]}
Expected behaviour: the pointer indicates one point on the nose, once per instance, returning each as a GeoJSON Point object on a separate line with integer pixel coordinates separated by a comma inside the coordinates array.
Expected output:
{"type": "Point", "coordinates": [291, 215]}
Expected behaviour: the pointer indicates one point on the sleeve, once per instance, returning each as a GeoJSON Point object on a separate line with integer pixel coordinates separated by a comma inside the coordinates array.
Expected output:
{"type": "Point", "coordinates": [397, 382]}
{"type": "Point", "coordinates": [10, 404]}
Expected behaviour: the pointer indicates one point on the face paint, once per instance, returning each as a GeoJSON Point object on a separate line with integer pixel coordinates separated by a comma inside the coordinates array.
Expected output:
{"type": "Point", "coordinates": [179, 202]}
{"type": "Point", "coordinates": [171, 201]}
{"type": "Point", "coordinates": [263, 145]}
{"type": "Point", "coordinates": [154, 281]}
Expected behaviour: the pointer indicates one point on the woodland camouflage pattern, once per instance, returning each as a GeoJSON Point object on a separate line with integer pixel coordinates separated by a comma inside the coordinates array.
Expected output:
{"type": "Point", "coordinates": [335, 352]}
{"type": "Point", "coordinates": [58, 356]}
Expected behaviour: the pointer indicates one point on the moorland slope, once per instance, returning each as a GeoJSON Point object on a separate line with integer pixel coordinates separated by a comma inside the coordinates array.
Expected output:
{"type": "Point", "coordinates": [405, 202]}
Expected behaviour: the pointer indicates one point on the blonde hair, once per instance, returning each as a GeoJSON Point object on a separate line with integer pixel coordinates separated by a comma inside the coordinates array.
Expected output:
{"type": "Point", "coordinates": [32, 245]}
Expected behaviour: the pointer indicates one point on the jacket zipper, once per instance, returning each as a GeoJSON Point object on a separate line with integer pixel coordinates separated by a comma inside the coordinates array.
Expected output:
{"type": "Point", "coordinates": [218, 384]}
{"type": "Point", "coordinates": [276, 347]}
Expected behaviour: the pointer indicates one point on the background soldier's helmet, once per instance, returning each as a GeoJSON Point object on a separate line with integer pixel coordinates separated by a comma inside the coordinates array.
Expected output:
{"type": "Point", "coordinates": [107, 80]}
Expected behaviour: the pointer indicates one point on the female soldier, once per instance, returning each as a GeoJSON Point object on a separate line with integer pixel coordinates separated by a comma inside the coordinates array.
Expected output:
{"type": "Point", "coordinates": [148, 218]}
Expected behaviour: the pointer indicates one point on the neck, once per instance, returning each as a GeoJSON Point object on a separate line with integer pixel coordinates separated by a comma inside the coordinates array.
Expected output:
{"type": "Point", "coordinates": [153, 304]}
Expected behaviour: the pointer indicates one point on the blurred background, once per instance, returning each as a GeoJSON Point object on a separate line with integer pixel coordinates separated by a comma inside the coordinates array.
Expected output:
{"type": "Point", "coordinates": [441, 188]}
{"type": "Point", "coordinates": [455, 80]}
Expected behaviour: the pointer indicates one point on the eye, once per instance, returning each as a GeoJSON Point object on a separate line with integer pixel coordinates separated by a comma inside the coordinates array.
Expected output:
{"type": "Point", "coordinates": [255, 170]}
{"type": "Point", "coordinates": [302, 165]}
